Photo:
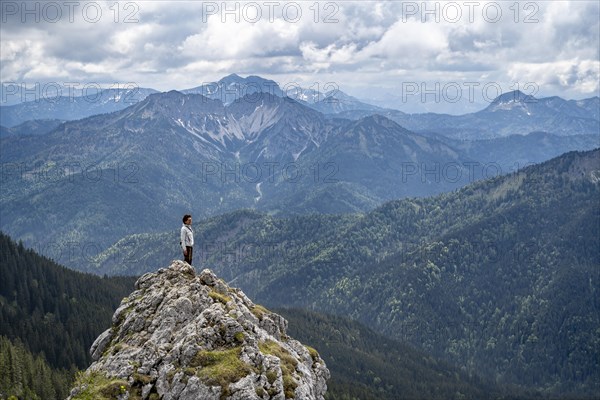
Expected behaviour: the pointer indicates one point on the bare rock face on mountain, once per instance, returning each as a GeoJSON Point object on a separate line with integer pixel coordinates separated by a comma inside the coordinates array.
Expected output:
{"type": "Point", "coordinates": [185, 336]}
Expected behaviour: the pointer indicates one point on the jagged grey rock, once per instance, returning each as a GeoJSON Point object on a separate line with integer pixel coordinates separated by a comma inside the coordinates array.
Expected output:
{"type": "Point", "coordinates": [182, 335]}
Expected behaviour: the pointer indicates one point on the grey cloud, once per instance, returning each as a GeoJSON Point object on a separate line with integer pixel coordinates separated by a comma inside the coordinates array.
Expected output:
{"type": "Point", "coordinates": [464, 41]}
{"type": "Point", "coordinates": [155, 54]}
{"type": "Point", "coordinates": [89, 48]}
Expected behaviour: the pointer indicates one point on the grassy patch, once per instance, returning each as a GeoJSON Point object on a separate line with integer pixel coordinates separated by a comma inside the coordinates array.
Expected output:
{"type": "Point", "coordinates": [221, 367]}
{"type": "Point", "coordinates": [271, 376]}
{"type": "Point", "coordinates": [314, 354]}
{"type": "Point", "coordinates": [240, 337]}
{"type": "Point", "coordinates": [97, 386]}
{"type": "Point", "coordinates": [259, 311]}
{"type": "Point", "coordinates": [142, 379]}
{"type": "Point", "coordinates": [219, 297]}
{"type": "Point", "coordinates": [125, 313]}
{"type": "Point", "coordinates": [288, 365]}
{"type": "Point", "coordinates": [171, 375]}
{"type": "Point", "coordinates": [116, 348]}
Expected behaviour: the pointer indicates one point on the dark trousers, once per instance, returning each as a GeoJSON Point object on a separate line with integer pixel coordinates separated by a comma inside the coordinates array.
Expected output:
{"type": "Point", "coordinates": [188, 258]}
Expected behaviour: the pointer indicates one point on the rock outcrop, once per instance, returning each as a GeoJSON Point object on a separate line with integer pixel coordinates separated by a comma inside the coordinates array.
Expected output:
{"type": "Point", "coordinates": [182, 335]}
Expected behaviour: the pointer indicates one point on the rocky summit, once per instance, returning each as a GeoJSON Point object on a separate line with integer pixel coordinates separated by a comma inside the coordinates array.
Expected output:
{"type": "Point", "coordinates": [182, 335]}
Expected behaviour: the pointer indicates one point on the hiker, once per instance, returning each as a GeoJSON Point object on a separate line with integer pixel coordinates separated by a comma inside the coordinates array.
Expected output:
{"type": "Point", "coordinates": [187, 238]}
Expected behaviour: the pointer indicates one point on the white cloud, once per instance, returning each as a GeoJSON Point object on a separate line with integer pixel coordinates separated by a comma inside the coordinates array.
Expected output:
{"type": "Point", "coordinates": [330, 55]}
{"type": "Point", "coordinates": [231, 40]}
{"type": "Point", "coordinates": [134, 38]}
{"type": "Point", "coordinates": [410, 40]}
{"type": "Point", "coordinates": [560, 75]}
{"type": "Point", "coordinates": [181, 44]}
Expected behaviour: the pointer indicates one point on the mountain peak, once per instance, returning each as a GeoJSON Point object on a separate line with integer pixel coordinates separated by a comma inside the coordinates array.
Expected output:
{"type": "Point", "coordinates": [190, 336]}
{"type": "Point", "coordinates": [512, 100]}
{"type": "Point", "coordinates": [516, 96]}
{"type": "Point", "coordinates": [231, 78]}
{"type": "Point", "coordinates": [234, 87]}
{"type": "Point", "coordinates": [379, 121]}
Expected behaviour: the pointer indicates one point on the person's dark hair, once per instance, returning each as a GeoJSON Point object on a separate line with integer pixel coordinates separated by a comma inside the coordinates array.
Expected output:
{"type": "Point", "coordinates": [185, 217]}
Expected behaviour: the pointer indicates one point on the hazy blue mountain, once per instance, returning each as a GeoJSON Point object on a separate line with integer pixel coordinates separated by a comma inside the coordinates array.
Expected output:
{"type": "Point", "coordinates": [337, 101]}
{"type": "Point", "coordinates": [508, 154]}
{"type": "Point", "coordinates": [31, 127]}
{"type": "Point", "coordinates": [509, 114]}
{"type": "Point", "coordinates": [303, 95]}
{"type": "Point", "coordinates": [424, 98]}
{"type": "Point", "coordinates": [12, 93]}
{"type": "Point", "coordinates": [591, 106]}
{"type": "Point", "coordinates": [366, 163]}
{"type": "Point", "coordinates": [500, 155]}
{"type": "Point", "coordinates": [178, 153]}
{"type": "Point", "coordinates": [277, 129]}
{"type": "Point", "coordinates": [586, 108]}
{"type": "Point", "coordinates": [515, 112]}
{"type": "Point", "coordinates": [72, 107]}
{"type": "Point", "coordinates": [94, 174]}
{"type": "Point", "coordinates": [233, 87]}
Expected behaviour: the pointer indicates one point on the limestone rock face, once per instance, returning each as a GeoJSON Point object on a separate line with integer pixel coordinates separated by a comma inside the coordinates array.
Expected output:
{"type": "Point", "coordinates": [188, 336]}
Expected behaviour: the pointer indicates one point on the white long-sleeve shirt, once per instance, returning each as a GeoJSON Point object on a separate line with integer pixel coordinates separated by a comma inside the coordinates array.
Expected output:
{"type": "Point", "coordinates": [187, 236]}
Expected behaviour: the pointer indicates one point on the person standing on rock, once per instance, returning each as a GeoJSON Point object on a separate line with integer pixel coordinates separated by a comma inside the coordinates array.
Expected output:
{"type": "Point", "coordinates": [187, 239]}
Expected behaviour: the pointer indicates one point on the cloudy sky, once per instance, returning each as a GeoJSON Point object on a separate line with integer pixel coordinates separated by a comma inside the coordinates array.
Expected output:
{"type": "Point", "coordinates": [439, 56]}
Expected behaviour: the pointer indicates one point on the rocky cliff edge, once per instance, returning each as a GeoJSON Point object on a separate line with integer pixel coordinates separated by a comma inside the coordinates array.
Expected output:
{"type": "Point", "coordinates": [182, 335]}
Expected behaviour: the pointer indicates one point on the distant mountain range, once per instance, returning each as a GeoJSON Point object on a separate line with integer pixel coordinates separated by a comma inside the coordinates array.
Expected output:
{"type": "Point", "coordinates": [176, 153]}
{"type": "Point", "coordinates": [31, 127]}
{"type": "Point", "coordinates": [71, 107]}
{"type": "Point", "coordinates": [510, 113]}
{"type": "Point", "coordinates": [233, 87]}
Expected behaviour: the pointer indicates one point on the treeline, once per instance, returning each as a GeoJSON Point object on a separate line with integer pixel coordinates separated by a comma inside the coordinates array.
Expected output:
{"type": "Point", "coordinates": [368, 366]}
{"type": "Point", "coordinates": [25, 376]}
{"type": "Point", "coordinates": [49, 317]}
